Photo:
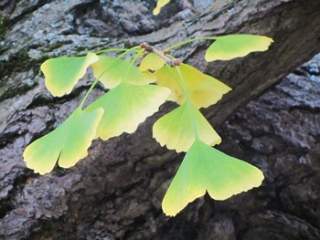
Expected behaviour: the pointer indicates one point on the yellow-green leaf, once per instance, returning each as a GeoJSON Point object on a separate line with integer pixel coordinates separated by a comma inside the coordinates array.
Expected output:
{"type": "Point", "coordinates": [178, 129]}
{"type": "Point", "coordinates": [160, 4]}
{"type": "Point", "coordinates": [236, 45]}
{"type": "Point", "coordinates": [207, 169]}
{"type": "Point", "coordinates": [126, 106]}
{"type": "Point", "coordinates": [62, 73]}
{"type": "Point", "coordinates": [113, 71]}
{"type": "Point", "coordinates": [151, 62]}
{"type": "Point", "coordinates": [149, 77]}
{"type": "Point", "coordinates": [67, 144]}
{"type": "Point", "coordinates": [202, 89]}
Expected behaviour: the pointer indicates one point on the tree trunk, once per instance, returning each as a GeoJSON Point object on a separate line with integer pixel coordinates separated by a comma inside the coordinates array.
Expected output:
{"type": "Point", "coordinates": [116, 192]}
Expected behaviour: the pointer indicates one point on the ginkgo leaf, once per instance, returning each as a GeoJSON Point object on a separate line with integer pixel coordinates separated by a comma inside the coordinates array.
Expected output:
{"type": "Point", "coordinates": [179, 128]}
{"type": "Point", "coordinates": [112, 71]}
{"type": "Point", "coordinates": [151, 62]}
{"type": "Point", "coordinates": [207, 169]}
{"type": "Point", "coordinates": [67, 144]}
{"type": "Point", "coordinates": [62, 73]}
{"type": "Point", "coordinates": [160, 4]}
{"type": "Point", "coordinates": [236, 45]}
{"type": "Point", "coordinates": [150, 77]}
{"type": "Point", "coordinates": [202, 89]}
{"type": "Point", "coordinates": [126, 106]}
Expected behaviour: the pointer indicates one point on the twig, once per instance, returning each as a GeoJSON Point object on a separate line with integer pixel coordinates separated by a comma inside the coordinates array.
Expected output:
{"type": "Point", "coordinates": [168, 59]}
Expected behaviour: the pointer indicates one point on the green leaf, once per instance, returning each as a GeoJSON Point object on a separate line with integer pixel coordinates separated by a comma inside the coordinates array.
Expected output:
{"type": "Point", "coordinates": [207, 169]}
{"type": "Point", "coordinates": [151, 62]}
{"type": "Point", "coordinates": [63, 73]}
{"type": "Point", "coordinates": [179, 128]}
{"type": "Point", "coordinates": [160, 4]}
{"type": "Point", "coordinates": [113, 71]}
{"type": "Point", "coordinates": [67, 144]}
{"type": "Point", "coordinates": [236, 45]}
{"type": "Point", "coordinates": [202, 89]}
{"type": "Point", "coordinates": [126, 106]}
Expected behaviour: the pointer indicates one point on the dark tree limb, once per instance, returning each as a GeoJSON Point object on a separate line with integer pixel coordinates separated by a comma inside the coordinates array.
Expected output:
{"type": "Point", "coordinates": [116, 192]}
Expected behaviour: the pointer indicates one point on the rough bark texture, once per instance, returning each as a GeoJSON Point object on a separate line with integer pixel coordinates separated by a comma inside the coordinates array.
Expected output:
{"type": "Point", "coordinates": [116, 192]}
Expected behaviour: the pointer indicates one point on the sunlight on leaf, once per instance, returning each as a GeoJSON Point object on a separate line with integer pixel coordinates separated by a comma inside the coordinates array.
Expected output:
{"type": "Point", "coordinates": [126, 106]}
{"type": "Point", "coordinates": [207, 169]}
{"type": "Point", "coordinates": [67, 144]}
{"type": "Point", "coordinates": [177, 129]}
{"type": "Point", "coordinates": [236, 45]}
{"type": "Point", "coordinates": [203, 89]}
{"type": "Point", "coordinates": [151, 62]}
{"type": "Point", "coordinates": [160, 4]}
{"type": "Point", "coordinates": [63, 73]}
{"type": "Point", "coordinates": [112, 71]}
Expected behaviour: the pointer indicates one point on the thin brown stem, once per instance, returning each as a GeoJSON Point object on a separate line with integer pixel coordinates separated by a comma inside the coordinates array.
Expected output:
{"type": "Point", "coordinates": [168, 59]}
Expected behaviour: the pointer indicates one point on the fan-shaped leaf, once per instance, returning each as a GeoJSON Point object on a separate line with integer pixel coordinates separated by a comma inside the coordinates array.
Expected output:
{"type": "Point", "coordinates": [236, 45]}
{"type": "Point", "coordinates": [207, 169]}
{"type": "Point", "coordinates": [62, 73]}
{"type": "Point", "coordinates": [126, 106]}
{"type": "Point", "coordinates": [151, 62]}
{"type": "Point", "coordinates": [202, 89]}
{"type": "Point", "coordinates": [112, 71]}
{"type": "Point", "coordinates": [67, 144]}
{"type": "Point", "coordinates": [179, 128]}
{"type": "Point", "coordinates": [160, 4]}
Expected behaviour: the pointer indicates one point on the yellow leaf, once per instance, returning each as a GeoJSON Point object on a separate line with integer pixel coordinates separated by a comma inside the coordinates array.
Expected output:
{"type": "Point", "coordinates": [67, 144]}
{"type": "Point", "coordinates": [112, 71]}
{"type": "Point", "coordinates": [151, 62]}
{"type": "Point", "coordinates": [236, 45]}
{"type": "Point", "coordinates": [179, 128]}
{"type": "Point", "coordinates": [160, 4]}
{"type": "Point", "coordinates": [202, 89]}
{"type": "Point", "coordinates": [207, 169]}
{"type": "Point", "coordinates": [149, 77]}
{"type": "Point", "coordinates": [126, 106]}
{"type": "Point", "coordinates": [62, 73]}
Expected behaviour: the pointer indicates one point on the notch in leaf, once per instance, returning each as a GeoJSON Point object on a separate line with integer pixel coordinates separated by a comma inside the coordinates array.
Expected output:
{"type": "Point", "coordinates": [236, 45]}
{"type": "Point", "coordinates": [207, 169]}
{"type": "Point", "coordinates": [179, 129]}
{"type": "Point", "coordinates": [63, 73]}
{"type": "Point", "coordinates": [67, 144]}
{"type": "Point", "coordinates": [202, 89]}
{"type": "Point", "coordinates": [126, 106]}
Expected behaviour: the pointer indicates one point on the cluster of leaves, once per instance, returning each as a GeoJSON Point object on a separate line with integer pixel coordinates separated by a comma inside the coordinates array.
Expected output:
{"type": "Point", "coordinates": [139, 80]}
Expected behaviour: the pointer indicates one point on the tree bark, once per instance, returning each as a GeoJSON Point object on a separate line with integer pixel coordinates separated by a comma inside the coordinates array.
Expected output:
{"type": "Point", "coordinates": [116, 192]}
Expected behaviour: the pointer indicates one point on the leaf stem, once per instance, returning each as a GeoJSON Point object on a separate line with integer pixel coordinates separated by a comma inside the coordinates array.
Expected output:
{"type": "Point", "coordinates": [167, 58]}
{"type": "Point", "coordinates": [111, 50]}
{"type": "Point", "coordinates": [188, 101]}
{"type": "Point", "coordinates": [180, 44]}
{"type": "Point", "coordinates": [95, 82]}
{"type": "Point", "coordinates": [128, 51]}
{"type": "Point", "coordinates": [132, 61]}
{"type": "Point", "coordinates": [181, 84]}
